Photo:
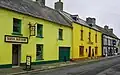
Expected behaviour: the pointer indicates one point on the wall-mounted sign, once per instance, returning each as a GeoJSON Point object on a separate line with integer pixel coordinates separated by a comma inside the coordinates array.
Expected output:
{"type": "Point", "coordinates": [16, 39]}
{"type": "Point", "coordinates": [28, 63]}
{"type": "Point", "coordinates": [32, 29]}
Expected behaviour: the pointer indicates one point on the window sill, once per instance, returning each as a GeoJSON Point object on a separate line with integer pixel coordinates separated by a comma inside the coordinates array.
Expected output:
{"type": "Point", "coordinates": [60, 39]}
{"type": "Point", "coordinates": [39, 59]}
{"type": "Point", "coordinates": [39, 36]}
{"type": "Point", "coordinates": [15, 33]}
{"type": "Point", "coordinates": [82, 40]}
{"type": "Point", "coordinates": [81, 56]}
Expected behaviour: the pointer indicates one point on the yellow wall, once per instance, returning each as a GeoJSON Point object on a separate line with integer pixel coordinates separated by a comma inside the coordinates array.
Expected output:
{"type": "Point", "coordinates": [50, 40]}
{"type": "Point", "coordinates": [78, 42]}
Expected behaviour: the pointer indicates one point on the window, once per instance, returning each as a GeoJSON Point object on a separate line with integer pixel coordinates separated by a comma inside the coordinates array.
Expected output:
{"type": "Point", "coordinates": [81, 51]}
{"type": "Point", "coordinates": [109, 42]}
{"type": "Point", "coordinates": [39, 52]}
{"type": "Point", "coordinates": [16, 25]}
{"type": "Point", "coordinates": [96, 38]}
{"type": "Point", "coordinates": [104, 41]}
{"type": "Point", "coordinates": [60, 34]}
{"type": "Point", "coordinates": [39, 30]}
{"type": "Point", "coordinates": [81, 35]}
{"type": "Point", "coordinates": [96, 50]}
{"type": "Point", "coordinates": [89, 36]}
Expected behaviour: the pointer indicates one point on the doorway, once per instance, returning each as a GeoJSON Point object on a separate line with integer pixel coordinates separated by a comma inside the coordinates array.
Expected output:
{"type": "Point", "coordinates": [64, 53]}
{"type": "Point", "coordinates": [89, 54]}
{"type": "Point", "coordinates": [16, 54]}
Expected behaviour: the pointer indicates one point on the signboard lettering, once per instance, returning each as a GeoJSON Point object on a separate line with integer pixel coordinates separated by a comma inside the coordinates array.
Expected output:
{"type": "Point", "coordinates": [16, 39]}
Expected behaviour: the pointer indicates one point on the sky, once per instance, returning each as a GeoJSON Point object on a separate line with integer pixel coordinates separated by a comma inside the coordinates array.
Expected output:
{"type": "Point", "coordinates": [106, 12]}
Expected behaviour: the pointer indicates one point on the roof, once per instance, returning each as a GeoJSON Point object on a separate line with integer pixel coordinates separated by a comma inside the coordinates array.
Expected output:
{"type": "Point", "coordinates": [80, 21]}
{"type": "Point", "coordinates": [106, 32]}
{"type": "Point", "coordinates": [34, 9]}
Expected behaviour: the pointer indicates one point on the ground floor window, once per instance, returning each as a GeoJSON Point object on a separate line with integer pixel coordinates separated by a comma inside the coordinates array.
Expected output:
{"type": "Point", "coordinates": [81, 51]}
{"type": "Point", "coordinates": [39, 52]}
{"type": "Point", "coordinates": [96, 50]}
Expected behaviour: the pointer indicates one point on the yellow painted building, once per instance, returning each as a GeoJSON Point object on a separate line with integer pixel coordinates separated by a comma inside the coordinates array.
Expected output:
{"type": "Point", "coordinates": [82, 46]}
{"type": "Point", "coordinates": [48, 43]}
{"type": "Point", "coordinates": [87, 39]}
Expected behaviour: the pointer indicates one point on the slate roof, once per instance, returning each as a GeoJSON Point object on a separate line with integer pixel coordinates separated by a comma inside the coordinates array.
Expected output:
{"type": "Point", "coordinates": [34, 9]}
{"type": "Point", "coordinates": [80, 21]}
{"type": "Point", "coordinates": [106, 32]}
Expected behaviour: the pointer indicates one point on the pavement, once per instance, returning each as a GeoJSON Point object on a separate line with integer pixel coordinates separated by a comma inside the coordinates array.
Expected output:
{"type": "Point", "coordinates": [43, 67]}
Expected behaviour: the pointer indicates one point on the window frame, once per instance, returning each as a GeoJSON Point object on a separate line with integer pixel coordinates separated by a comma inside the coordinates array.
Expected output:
{"type": "Point", "coordinates": [96, 38]}
{"type": "Point", "coordinates": [38, 57]}
{"type": "Point", "coordinates": [60, 34]}
{"type": "Point", "coordinates": [96, 50]}
{"type": "Point", "coordinates": [81, 51]}
{"type": "Point", "coordinates": [89, 36]}
{"type": "Point", "coordinates": [17, 23]}
{"type": "Point", "coordinates": [40, 30]}
{"type": "Point", "coordinates": [81, 35]}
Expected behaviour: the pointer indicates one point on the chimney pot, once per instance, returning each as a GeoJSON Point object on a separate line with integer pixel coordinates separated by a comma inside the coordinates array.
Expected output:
{"type": "Point", "coordinates": [59, 5]}
{"type": "Point", "coordinates": [106, 27]}
{"type": "Point", "coordinates": [111, 30]}
{"type": "Point", "coordinates": [42, 2]}
{"type": "Point", "coordinates": [91, 21]}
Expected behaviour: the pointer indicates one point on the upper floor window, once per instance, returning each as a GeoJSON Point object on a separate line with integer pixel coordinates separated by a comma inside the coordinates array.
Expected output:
{"type": "Point", "coordinates": [81, 34]}
{"type": "Point", "coordinates": [109, 41]}
{"type": "Point", "coordinates": [16, 25]}
{"type": "Point", "coordinates": [39, 52]}
{"type": "Point", "coordinates": [39, 30]}
{"type": "Point", "coordinates": [104, 41]}
{"type": "Point", "coordinates": [89, 36]}
{"type": "Point", "coordinates": [96, 38]}
{"type": "Point", "coordinates": [60, 34]}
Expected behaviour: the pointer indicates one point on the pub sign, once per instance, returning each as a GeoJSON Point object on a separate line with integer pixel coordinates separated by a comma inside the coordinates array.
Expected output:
{"type": "Point", "coordinates": [16, 39]}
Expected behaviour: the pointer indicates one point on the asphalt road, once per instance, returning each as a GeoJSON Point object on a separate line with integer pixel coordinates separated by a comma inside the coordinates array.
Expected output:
{"type": "Point", "coordinates": [88, 69]}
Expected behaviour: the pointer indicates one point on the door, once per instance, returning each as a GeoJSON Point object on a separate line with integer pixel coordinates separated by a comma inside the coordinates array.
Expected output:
{"type": "Point", "coordinates": [89, 54]}
{"type": "Point", "coordinates": [64, 53]}
{"type": "Point", "coordinates": [16, 48]}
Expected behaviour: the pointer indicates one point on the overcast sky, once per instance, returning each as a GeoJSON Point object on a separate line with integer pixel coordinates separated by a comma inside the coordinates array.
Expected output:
{"type": "Point", "coordinates": [106, 12]}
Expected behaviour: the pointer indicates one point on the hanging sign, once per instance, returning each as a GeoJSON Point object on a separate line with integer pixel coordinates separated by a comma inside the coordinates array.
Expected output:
{"type": "Point", "coordinates": [16, 39]}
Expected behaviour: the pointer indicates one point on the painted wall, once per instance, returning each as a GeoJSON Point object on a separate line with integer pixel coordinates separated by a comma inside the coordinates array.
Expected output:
{"type": "Point", "coordinates": [108, 45]}
{"type": "Point", "coordinates": [50, 41]}
{"type": "Point", "coordinates": [78, 42]}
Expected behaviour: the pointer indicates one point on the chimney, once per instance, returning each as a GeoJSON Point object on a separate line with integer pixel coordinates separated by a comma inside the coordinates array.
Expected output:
{"type": "Point", "coordinates": [111, 30]}
{"type": "Point", "coordinates": [59, 5]}
{"type": "Point", "coordinates": [75, 17]}
{"type": "Point", "coordinates": [106, 27]}
{"type": "Point", "coordinates": [91, 21]}
{"type": "Point", "coordinates": [42, 2]}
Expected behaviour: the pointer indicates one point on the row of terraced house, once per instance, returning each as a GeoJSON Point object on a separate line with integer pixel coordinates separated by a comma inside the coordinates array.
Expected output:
{"type": "Point", "coordinates": [29, 28]}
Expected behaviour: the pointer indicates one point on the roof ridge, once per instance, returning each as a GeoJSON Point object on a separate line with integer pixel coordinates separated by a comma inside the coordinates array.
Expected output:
{"type": "Point", "coordinates": [108, 33]}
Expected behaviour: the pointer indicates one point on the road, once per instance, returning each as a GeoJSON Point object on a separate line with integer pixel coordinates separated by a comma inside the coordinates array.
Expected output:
{"type": "Point", "coordinates": [88, 69]}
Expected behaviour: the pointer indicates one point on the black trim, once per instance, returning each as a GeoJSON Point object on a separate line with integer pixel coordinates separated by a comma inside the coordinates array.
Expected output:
{"type": "Point", "coordinates": [108, 46]}
{"type": "Point", "coordinates": [14, 41]}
